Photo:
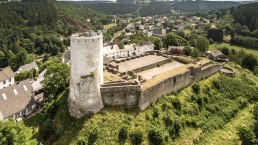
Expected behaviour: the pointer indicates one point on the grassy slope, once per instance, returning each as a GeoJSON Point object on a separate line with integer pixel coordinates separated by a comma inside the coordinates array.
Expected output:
{"type": "Point", "coordinates": [238, 48]}
{"type": "Point", "coordinates": [110, 120]}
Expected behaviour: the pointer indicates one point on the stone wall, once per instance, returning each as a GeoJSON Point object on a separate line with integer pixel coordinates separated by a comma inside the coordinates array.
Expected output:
{"type": "Point", "coordinates": [133, 95]}
{"type": "Point", "coordinates": [209, 70]}
{"type": "Point", "coordinates": [172, 84]}
{"type": "Point", "coordinates": [120, 94]}
{"type": "Point", "coordinates": [152, 65]}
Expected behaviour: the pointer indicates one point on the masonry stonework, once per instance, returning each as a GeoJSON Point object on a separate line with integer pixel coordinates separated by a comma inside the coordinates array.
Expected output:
{"type": "Point", "coordinates": [86, 73]}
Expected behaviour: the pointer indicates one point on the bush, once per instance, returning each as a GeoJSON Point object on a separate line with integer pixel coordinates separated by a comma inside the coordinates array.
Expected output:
{"type": "Point", "coordinates": [136, 137]}
{"type": "Point", "coordinates": [247, 136]}
{"type": "Point", "coordinates": [196, 88]}
{"type": "Point", "coordinates": [167, 120]}
{"type": "Point", "coordinates": [59, 132]}
{"type": "Point", "coordinates": [155, 113]}
{"type": "Point", "coordinates": [122, 135]}
{"type": "Point", "coordinates": [93, 136]}
{"type": "Point", "coordinates": [176, 104]}
{"type": "Point", "coordinates": [187, 51]}
{"type": "Point", "coordinates": [47, 128]}
{"type": "Point", "coordinates": [155, 137]}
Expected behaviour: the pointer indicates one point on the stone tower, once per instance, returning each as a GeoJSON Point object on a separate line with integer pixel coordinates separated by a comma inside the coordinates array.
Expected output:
{"type": "Point", "coordinates": [86, 73]}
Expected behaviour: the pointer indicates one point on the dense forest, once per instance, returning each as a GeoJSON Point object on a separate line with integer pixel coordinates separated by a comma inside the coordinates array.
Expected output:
{"type": "Point", "coordinates": [203, 5]}
{"type": "Point", "coordinates": [155, 8]}
{"type": "Point", "coordinates": [112, 8]}
{"type": "Point", "coordinates": [31, 29]}
{"type": "Point", "coordinates": [246, 15]}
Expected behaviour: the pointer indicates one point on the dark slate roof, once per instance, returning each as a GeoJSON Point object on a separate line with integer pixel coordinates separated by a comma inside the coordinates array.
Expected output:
{"type": "Point", "coordinates": [215, 53]}
{"type": "Point", "coordinates": [11, 103]}
{"type": "Point", "coordinates": [6, 73]}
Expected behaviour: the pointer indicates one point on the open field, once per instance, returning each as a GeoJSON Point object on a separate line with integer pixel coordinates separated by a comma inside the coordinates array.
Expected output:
{"type": "Point", "coordinates": [237, 48]}
{"type": "Point", "coordinates": [106, 27]}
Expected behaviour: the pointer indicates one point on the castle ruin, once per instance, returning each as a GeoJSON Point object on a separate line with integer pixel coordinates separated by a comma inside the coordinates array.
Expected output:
{"type": "Point", "coordinates": [136, 81]}
{"type": "Point", "coordinates": [86, 73]}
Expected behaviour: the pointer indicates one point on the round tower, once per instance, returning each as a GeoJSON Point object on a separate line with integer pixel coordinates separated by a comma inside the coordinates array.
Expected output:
{"type": "Point", "coordinates": [86, 73]}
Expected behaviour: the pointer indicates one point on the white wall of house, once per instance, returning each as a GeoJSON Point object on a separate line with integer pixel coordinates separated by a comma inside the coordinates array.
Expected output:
{"type": "Point", "coordinates": [7, 83]}
{"type": "Point", "coordinates": [129, 53]}
{"type": "Point", "coordinates": [25, 112]}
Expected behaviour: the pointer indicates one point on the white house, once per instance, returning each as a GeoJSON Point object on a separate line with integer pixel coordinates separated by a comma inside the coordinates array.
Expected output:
{"type": "Point", "coordinates": [6, 77]}
{"type": "Point", "coordinates": [17, 101]}
{"type": "Point", "coordinates": [113, 51]}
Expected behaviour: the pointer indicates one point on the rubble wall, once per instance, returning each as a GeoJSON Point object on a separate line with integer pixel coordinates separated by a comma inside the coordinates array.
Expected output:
{"type": "Point", "coordinates": [120, 95]}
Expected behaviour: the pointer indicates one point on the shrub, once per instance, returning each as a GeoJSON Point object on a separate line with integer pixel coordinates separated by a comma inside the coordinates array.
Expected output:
{"type": "Point", "coordinates": [155, 137]}
{"type": "Point", "coordinates": [47, 128]}
{"type": "Point", "coordinates": [81, 142]}
{"type": "Point", "coordinates": [176, 103]}
{"type": "Point", "coordinates": [196, 88]}
{"type": "Point", "coordinates": [59, 132]}
{"type": "Point", "coordinates": [155, 113]}
{"type": "Point", "coordinates": [167, 120]}
{"type": "Point", "coordinates": [247, 136]}
{"type": "Point", "coordinates": [174, 130]}
{"type": "Point", "coordinates": [136, 137]}
{"type": "Point", "coordinates": [187, 51]}
{"type": "Point", "coordinates": [93, 136]}
{"type": "Point", "coordinates": [122, 135]}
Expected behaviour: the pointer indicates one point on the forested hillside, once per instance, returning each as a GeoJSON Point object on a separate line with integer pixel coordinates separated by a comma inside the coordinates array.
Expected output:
{"type": "Point", "coordinates": [203, 5]}
{"type": "Point", "coordinates": [40, 28]}
{"type": "Point", "coordinates": [112, 8]}
{"type": "Point", "coordinates": [246, 15]}
{"type": "Point", "coordinates": [156, 8]}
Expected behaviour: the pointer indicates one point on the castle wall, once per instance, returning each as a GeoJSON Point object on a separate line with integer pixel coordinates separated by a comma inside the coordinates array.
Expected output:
{"type": "Point", "coordinates": [209, 70]}
{"type": "Point", "coordinates": [172, 84]}
{"type": "Point", "coordinates": [120, 95]}
{"type": "Point", "coordinates": [152, 65]}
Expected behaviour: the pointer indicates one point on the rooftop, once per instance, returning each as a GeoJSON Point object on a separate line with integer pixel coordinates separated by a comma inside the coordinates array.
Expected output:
{"type": "Point", "coordinates": [28, 67]}
{"type": "Point", "coordinates": [6, 73]}
{"type": "Point", "coordinates": [15, 98]}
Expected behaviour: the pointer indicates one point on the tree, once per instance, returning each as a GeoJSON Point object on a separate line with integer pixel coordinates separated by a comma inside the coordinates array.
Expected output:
{"type": "Point", "coordinates": [122, 136]}
{"type": "Point", "coordinates": [202, 44]}
{"type": "Point", "coordinates": [173, 40]}
{"type": "Point", "coordinates": [47, 128]}
{"type": "Point", "coordinates": [2, 57]}
{"type": "Point", "coordinates": [187, 51]}
{"type": "Point", "coordinates": [157, 44]}
{"type": "Point", "coordinates": [18, 60]}
{"type": "Point", "coordinates": [56, 78]}
{"type": "Point", "coordinates": [247, 136]}
{"type": "Point", "coordinates": [121, 45]}
{"type": "Point", "coordinates": [249, 61]}
{"type": "Point", "coordinates": [136, 137]}
{"type": "Point", "coordinates": [12, 132]}
{"type": "Point", "coordinates": [195, 53]}
{"type": "Point", "coordinates": [155, 137]}
{"type": "Point", "coordinates": [215, 34]}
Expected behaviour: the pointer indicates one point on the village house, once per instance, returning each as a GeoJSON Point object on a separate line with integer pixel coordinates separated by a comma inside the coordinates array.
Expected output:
{"type": "Point", "coordinates": [113, 51]}
{"type": "Point", "coordinates": [27, 67]}
{"type": "Point", "coordinates": [159, 32]}
{"type": "Point", "coordinates": [6, 77]}
{"type": "Point", "coordinates": [17, 101]}
{"type": "Point", "coordinates": [216, 55]}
